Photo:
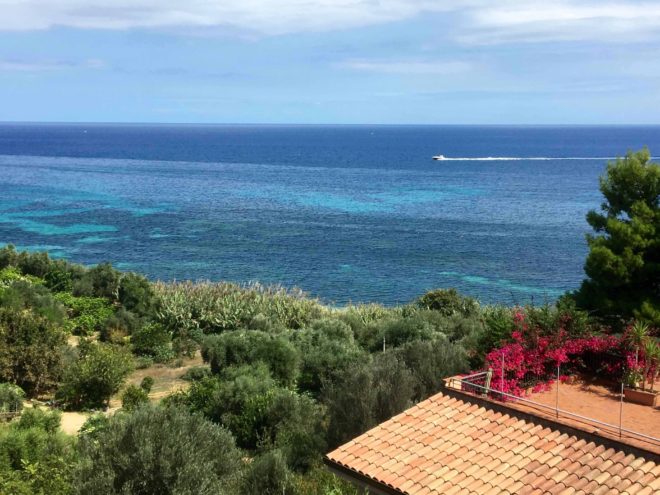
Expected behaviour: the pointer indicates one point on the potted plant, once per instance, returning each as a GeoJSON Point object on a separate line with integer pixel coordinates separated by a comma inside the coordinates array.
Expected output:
{"type": "Point", "coordinates": [639, 380]}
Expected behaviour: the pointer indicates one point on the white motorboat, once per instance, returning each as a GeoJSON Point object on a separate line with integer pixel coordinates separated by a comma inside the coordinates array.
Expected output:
{"type": "Point", "coordinates": [439, 157]}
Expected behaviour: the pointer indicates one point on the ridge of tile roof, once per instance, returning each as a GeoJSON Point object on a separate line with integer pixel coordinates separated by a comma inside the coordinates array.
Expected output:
{"type": "Point", "coordinates": [459, 443]}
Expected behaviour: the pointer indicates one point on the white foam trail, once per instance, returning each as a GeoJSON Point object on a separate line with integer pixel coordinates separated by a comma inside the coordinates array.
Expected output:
{"type": "Point", "coordinates": [518, 158]}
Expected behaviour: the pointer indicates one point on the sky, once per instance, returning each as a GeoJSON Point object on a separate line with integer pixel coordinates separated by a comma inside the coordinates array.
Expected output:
{"type": "Point", "coordinates": [331, 61]}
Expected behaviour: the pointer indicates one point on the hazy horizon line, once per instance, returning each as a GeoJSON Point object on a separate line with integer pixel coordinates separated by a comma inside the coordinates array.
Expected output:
{"type": "Point", "coordinates": [316, 124]}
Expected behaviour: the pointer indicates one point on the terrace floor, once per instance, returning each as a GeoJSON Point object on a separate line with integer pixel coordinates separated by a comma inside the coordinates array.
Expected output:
{"type": "Point", "coordinates": [596, 399]}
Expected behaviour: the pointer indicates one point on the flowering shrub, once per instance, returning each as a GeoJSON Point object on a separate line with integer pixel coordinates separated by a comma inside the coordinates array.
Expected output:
{"type": "Point", "coordinates": [531, 353]}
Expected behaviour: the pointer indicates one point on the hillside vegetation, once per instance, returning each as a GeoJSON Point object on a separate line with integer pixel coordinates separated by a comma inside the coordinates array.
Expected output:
{"type": "Point", "coordinates": [284, 378]}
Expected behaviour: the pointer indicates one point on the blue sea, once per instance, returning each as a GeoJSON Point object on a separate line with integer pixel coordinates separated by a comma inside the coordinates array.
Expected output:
{"type": "Point", "coordinates": [347, 213]}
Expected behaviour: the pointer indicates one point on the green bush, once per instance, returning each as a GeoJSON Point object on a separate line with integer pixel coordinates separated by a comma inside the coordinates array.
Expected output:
{"type": "Point", "coordinates": [120, 325]}
{"type": "Point", "coordinates": [34, 417]}
{"type": "Point", "coordinates": [24, 295]}
{"type": "Point", "coordinates": [574, 320]}
{"type": "Point", "coordinates": [430, 362]}
{"type": "Point", "coordinates": [499, 324]}
{"type": "Point", "coordinates": [36, 264]}
{"type": "Point", "coordinates": [320, 481]}
{"type": "Point", "coordinates": [332, 329]}
{"type": "Point", "coordinates": [8, 256]}
{"type": "Point", "coordinates": [350, 400]}
{"type": "Point", "coordinates": [263, 323]}
{"type": "Point", "coordinates": [551, 318]}
{"type": "Point", "coordinates": [448, 302]}
{"type": "Point", "coordinates": [143, 362]}
{"type": "Point", "coordinates": [260, 413]}
{"type": "Point", "coordinates": [222, 397]}
{"type": "Point", "coordinates": [365, 394]}
{"type": "Point", "coordinates": [103, 280]}
{"type": "Point", "coordinates": [196, 373]}
{"type": "Point", "coordinates": [158, 450]}
{"type": "Point", "coordinates": [94, 425]}
{"type": "Point", "coordinates": [59, 277]}
{"type": "Point", "coordinates": [269, 475]}
{"type": "Point", "coordinates": [368, 313]}
{"type": "Point", "coordinates": [394, 384]}
{"type": "Point", "coordinates": [150, 340]}
{"type": "Point", "coordinates": [246, 347]}
{"type": "Point", "coordinates": [87, 314]}
{"type": "Point", "coordinates": [136, 294]}
{"type": "Point", "coordinates": [324, 351]}
{"type": "Point", "coordinates": [147, 383]}
{"type": "Point", "coordinates": [165, 354]}
{"type": "Point", "coordinates": [394, 333]}
{"type": "Point", "coordinates": [134, 397]}
{"type": "Point", "coordinates": [35, 457]}
{"type": "Point", "coordinates": [30, 350]}
{"type": "Point", "coordinates": [11, 398]}
{"type": "Point", "coordinates": [95, 376]}
{"type": "Point", "coordinates": [185, 346]}
{"type": "Point", "coordinates": [281, 417]}
{"type": "Point", "coordinates": [301, 431]}
{"type": "Point", "coordinates": [10, 274]}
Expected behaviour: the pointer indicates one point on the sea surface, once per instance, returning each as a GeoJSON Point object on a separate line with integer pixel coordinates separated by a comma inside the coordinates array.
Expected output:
{"type": "Point", "coordinates": [347, 213]}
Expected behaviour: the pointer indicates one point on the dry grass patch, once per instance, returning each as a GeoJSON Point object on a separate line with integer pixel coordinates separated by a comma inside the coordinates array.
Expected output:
{"type": "Point", "coordinates": [167, 379]}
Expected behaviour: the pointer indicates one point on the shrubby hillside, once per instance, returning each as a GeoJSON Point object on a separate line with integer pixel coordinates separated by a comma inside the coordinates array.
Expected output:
{"type": "Point", "coordinates": [284, 378]}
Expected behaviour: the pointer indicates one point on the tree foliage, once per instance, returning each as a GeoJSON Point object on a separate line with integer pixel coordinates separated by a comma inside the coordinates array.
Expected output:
{"type": "Point", "coordinates": [30, 350]}
{"type": "Point", "coordinates": [448, 302]}
{"type": "Point", "coordinates": [269, 475]}
{"type": "Point", "coordinates": [11, 398]}
{"type": "Point", "coordinates": [164, 450]}
{"type": "Point", "coordinates": [94, 376]}
{"type": "Point", "coordinates": [365, 394]}
{"type": "Point", "coordinates": [35, 457]}
{"type": "Point", "coordinates": [86, 314]}
{"type": "Point", "coordinates": [325, 350]}
{"type": "Point", "coordinates": [286, 379]}
{"type": "Point", "coordinates": [430, 362]}
{"type": "Point", "coordinates": [134, 397]}
{"type": "Point", "coordinates": [247, 347]}
{"type": "Point", "coordinates": [623, 265]}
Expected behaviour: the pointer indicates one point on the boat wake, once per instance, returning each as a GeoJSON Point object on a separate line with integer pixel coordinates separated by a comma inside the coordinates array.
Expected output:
{"type": "Point", "coordinates": [518, 158]}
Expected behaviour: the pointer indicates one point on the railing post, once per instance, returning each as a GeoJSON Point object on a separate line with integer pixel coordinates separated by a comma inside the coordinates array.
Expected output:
{"type": "Point", "coordinates": [489, 376]}
{"type": "Point", "coordinates": [502, 378]}
{"type": "Point", "coordinates": [557, 395]}
{"type": "Point", "coordinates": [621, 411]}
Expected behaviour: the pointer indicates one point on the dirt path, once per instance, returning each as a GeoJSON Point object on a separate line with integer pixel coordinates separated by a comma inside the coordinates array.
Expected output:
{"type": "Point", "coordinates": [166, 381]}
{"type": "Point", "coordinates": [72, 422]}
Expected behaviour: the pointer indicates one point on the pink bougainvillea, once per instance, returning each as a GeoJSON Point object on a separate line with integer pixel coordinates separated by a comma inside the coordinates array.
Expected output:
{"type": "Point", "coordinates": [530, 354]}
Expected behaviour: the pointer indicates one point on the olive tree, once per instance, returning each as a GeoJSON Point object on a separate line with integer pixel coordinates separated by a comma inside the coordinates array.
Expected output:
{"type": "Point", "coordinates": [164, 450]}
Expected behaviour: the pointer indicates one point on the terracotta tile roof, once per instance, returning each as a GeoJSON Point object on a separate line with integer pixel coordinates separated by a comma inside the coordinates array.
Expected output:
{"type": "Point", "coordinates": [456, 443]}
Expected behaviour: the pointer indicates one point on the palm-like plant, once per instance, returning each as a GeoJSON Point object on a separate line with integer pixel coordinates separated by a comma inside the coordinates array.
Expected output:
{"type": "Point", "coordinates": [651, 361]}
{"type": "Point", "coordinates": [637, 336]}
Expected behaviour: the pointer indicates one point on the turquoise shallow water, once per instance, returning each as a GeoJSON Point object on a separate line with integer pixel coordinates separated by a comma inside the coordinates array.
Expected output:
{"type": "Point", "coordinates": [346, 213]}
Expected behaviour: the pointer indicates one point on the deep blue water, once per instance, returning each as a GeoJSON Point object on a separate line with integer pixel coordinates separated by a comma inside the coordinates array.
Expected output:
{"type": "Point", "coordinates": [348, 213]}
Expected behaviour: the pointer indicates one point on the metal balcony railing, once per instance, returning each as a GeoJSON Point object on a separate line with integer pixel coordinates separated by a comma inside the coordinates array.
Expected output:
{"type": "Point", "coordinates": [480, 384]}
